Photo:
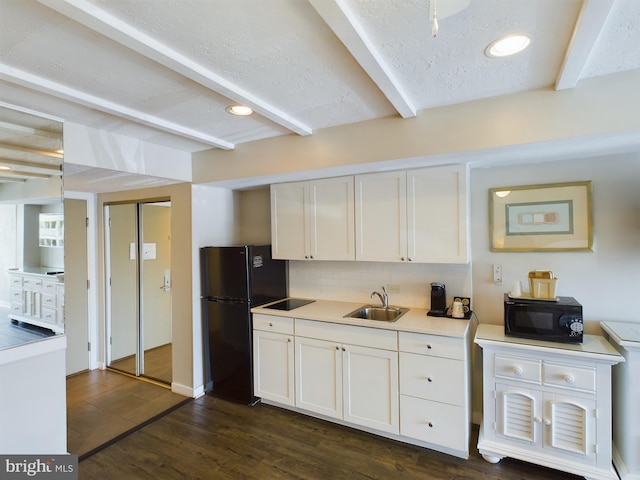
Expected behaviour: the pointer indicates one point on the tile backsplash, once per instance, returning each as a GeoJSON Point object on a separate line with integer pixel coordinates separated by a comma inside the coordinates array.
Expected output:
{"type": "Point", "coordinates": [408, 285]}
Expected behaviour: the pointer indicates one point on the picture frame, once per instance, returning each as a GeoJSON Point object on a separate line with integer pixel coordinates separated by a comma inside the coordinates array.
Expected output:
{"type": "Point", "coordinates": [555, 217]}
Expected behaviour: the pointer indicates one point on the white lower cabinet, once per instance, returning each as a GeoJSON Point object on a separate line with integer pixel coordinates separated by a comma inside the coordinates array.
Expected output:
{"type": "Point", "coordinates": [38, 300]}
{"type": "Point", "coordinates": [273, 358]}
{"type": "Point", "coordinates": [411, 387]}
{"type": "Point", "coordinates": [434, 391]}
{"type": "Point", "coordinates": [354, 383]}
{"type": "Point", "coordinates": [548, 404]}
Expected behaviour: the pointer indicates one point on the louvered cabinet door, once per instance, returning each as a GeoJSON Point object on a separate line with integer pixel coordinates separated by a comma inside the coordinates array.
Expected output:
{"type": "Point", "coordinates": [518, 414]}
{"type": "Point", "coordinates": [570, 425]}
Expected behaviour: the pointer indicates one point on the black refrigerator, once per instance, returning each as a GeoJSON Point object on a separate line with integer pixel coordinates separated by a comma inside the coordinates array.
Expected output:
{"type": "Point", "coordinates": [234, 280]}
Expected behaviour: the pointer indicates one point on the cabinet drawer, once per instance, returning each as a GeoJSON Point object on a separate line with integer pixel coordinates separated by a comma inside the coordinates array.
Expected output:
{"type": "Point", "coordinates": [17, 308]}
{"type": "Point", "coordinates": [433, 422]}
{"type": "Point", "coordinates": [569, 376]}
{"type": "Point", "coordinates": [16, 295]}
{"type": "Point", "coordinates": [15, 281]}
{"type": "Point", "coordinates": [32, 282]}
{"type": "Point", "coordinates": [49, 300]}
{"type": "Point", "coordinates": [435, 345]}
{"type": "Point", "coordinates": [49, 286]}
{"type": "Point", "coordinates": [272, 323]}
{"type": "Point", "coordinates": [351, 334]}
{"type": "Point", "coordinates": [432, 378]}
{"type": "Point", "coordinates": [49, 315]}
{"type": "Point", "coordinates": [522, 369]}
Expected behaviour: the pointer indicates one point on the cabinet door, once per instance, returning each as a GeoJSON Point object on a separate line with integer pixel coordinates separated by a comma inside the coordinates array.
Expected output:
{"type": "Point", "coordinates": [437, 215]}
{"type": "Point", "coordinates": [518, 414]}
{"type": "Point", "coordinates": [289, 221]}
{"type": "Point", "coordinates": [318, 366]}
{"type": "Point", "coordinates": [273, 366]}
{"type": "Point", "coordinates": [370, 385]}
{"type": "Point", "coordinates": [381, 217]}
{"type": "Point", "coordinates": [331, 214]}
{"type": "Point", "coordinates": [570, 426]}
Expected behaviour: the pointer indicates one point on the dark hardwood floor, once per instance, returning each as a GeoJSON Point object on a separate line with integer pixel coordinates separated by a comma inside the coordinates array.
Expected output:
{"type": "Point", "coordinates": [209, 438]}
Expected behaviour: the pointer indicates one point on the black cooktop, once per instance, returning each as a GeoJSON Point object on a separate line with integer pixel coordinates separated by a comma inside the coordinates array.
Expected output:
{"type": "Point", "coordinates": [289, 304]}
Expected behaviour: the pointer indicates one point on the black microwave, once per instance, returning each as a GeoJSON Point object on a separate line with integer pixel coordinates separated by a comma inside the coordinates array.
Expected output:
{"type": "Point", "coordinates": [558, 320]}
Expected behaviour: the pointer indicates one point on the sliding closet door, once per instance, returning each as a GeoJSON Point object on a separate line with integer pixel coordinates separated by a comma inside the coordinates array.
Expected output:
{"type": "Point", "coordinates": [122, 286]}
{"type": "Point", "coordinates": [155, 287]}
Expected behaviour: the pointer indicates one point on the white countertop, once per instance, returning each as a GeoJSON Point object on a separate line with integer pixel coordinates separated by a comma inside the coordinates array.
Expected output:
{"type": "Point", "coordinates": [623, 333]}
{"type": "Point", "coordinates": [592, 345]}
{"type": "Point", "coordinates": [33, 349]}
{"type": "Point", "coordinates": [40, 271]}
{"type": "Point", "coordinates": [415, 320]}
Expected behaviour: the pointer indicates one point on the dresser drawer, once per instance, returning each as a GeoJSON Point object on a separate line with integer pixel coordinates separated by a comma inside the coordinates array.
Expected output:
{"type": "Point", "coordinates": [15, 281]}
{"type": "Point", "coordinates": [49, 300]}
{"type": "Point", "coordinates": [272, 323]}
{"type": "Point", "coordinates": [32, 282]}
{"type": "Point", "coordinates": [16, 295]}
{"type": "Point", "coordinates": [569, 376]}
{"type": "Point", "coordinates": [434, 345]}
{"type": "Point", "coordinates": [432, 378]}
{"type": "Point", "coordinates": [516, 368]}
{"type": "Point", "coordinates": [49, 286]}
{"type": "Point", "coordinates": [433, 422]}
{"type": "Point", "coordinates": [17, 308]}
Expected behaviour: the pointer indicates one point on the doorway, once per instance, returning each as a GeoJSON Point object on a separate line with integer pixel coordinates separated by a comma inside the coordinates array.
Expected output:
{"type": "Point", "coordinates": [138, 282]}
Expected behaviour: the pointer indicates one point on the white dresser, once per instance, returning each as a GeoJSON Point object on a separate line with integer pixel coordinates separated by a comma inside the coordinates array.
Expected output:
{"type": "Point", "coordinates": [547, 403]}
{"type": "Point", "coordinates": [626, 398]}
{"type": "Point", "coordinates": [37, 298]}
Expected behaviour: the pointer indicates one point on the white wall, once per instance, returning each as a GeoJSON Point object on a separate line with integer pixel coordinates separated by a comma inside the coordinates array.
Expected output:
{"type": "Point", "coordinates": [604, 281]}
{"type": "Point", "coordinates": [8, 248]}
{"type": "Point", "coordinates": [215, 223]}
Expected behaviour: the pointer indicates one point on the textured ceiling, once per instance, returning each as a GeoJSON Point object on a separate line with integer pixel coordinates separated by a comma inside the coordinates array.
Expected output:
{"type": "Point", "coordinates": [164, 71]}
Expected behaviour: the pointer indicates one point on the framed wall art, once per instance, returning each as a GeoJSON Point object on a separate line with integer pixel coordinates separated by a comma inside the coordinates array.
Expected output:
{"type": "Point", "coordinates": [554, 217]}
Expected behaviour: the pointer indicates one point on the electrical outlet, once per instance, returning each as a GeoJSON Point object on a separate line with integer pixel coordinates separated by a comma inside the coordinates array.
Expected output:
{"type": "Point", "coordinates": [497, 274]}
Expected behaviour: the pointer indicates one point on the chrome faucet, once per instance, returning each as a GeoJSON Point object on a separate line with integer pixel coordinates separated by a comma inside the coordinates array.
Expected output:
{"type": "Point", "coordinates": [384, 298]}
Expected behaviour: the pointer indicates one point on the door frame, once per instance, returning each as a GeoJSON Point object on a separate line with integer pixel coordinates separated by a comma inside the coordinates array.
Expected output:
{"type": "Point", "coordinates": [92, 275]}
{"type": "Point", "coordinates": [138, 203]}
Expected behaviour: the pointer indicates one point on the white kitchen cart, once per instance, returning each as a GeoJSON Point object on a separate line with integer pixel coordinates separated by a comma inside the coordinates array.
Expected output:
{"type": "Point", "coordinates": [547, 403]}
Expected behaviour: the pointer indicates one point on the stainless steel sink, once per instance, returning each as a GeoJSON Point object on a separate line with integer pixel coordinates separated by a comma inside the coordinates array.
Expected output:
{"type": "Point", "coordinates": [376, 312]}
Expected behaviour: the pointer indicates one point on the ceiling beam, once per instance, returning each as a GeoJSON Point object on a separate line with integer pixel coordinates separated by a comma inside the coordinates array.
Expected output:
{"type": "Point", "coordinates": [349, 30]}
{"type": "Point", "coordinates": [30, 150]}
{"type": "Point", "coordinates": [21, 173]}
{"type": "Point", "coordinates": [23, 163]}
{"type": "Point", "coordinates": [6, 179]}
{"type": "Point", "coordinates": [44, 85]}
{"type": "Point", "coordinates": [92, 17]}
{"type": "Point", "coordinates": [591, 21]}
{"type": "Point", "coordinates": [21, 129]}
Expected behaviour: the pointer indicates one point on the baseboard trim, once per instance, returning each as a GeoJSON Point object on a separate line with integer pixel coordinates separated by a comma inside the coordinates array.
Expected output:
{"type": "Point", "coordinates": [187, 391]}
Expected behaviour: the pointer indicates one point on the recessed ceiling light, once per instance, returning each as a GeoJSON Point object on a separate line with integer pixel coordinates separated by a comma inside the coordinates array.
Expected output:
{"type": "Point", "coordinates": [240, 110]}
{"type": "Point", "coordinates": [509, 45]}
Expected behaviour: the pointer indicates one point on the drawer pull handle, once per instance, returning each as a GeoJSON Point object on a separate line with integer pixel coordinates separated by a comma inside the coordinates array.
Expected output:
{"type": "Point", "coordinates": [517, 371]}
{"type": "Point", "coordinates": [271, 324]}
{"type": "Point", "coordinates": [289, 340]}
{"type": "Point", "coordinates": [537, 419]}
{"type": "Point", "coordinates": [430, 424]}
{"type": "Point", "coordinates": [429, 379]}
{"type": "Point", "coordinates": [428, 346]}
{"type": "Point", "coordinates": [569, 379]}
{"type": "Point", "coordinates": [547, 422]}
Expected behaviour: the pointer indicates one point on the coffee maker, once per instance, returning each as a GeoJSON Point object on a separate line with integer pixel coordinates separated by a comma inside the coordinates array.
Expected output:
{"type": "Point", "coordinates": [438, 300]}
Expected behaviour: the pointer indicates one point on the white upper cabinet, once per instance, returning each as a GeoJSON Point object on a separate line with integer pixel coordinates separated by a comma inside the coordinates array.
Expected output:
{"type": "Point", "coordinates": [313, 220]}
{"type": "Point", "coordinates": [289, 221]}
{"type": "Point", "coordinates": [413, 216]}
{"type": "Point", "coordinates": [381, 217]}
{"type": "Point", "coordinates": [437, 228]}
